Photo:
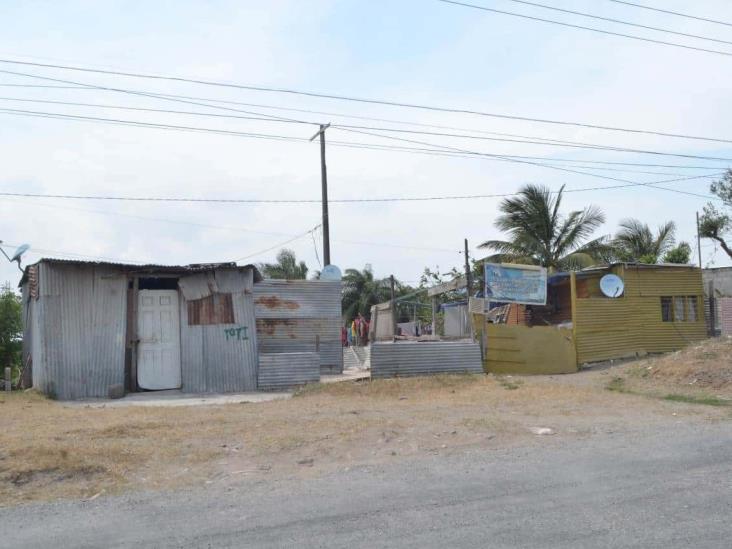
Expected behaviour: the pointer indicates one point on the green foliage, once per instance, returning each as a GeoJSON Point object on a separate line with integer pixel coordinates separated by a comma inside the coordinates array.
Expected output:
{"type": "Point", "coordinates": [361, 290]}
{"type": "Point", "coordinates": [703, 399]}
{"type": "Point", "coordinates": [540, 235]}
{"type": "Point", "coordinates": [680, 254]}
{"type": "Point", "coordinates": [635, 241]}
{"type": "Point", "coordinates": [11, 328]}
{"type": "Point", "coordinates": [714, 223]}
{"type": "Point", "coordinates": [287, 267]}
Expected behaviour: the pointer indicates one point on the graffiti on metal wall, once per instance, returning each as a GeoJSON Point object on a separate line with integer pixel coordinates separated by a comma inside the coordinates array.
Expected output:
{"type": "Point", "coordinates": [236, 334]}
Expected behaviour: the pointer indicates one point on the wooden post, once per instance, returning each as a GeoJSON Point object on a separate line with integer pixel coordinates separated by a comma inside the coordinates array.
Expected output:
{"type": "Point", "coordinates": [698, 240]}
{"type": "Point", "coordinates": [134, 336]}
{"type": "Point", "coordinates": [468, 272]}
{"type": "Point", "coordinates": [393, 307]}
{"type": "Point", "coordinates": [434, 316]}
{"type": "Point", "coordinates": [573, 301]}
{"type": "Point", "coordinates": [8, 384]}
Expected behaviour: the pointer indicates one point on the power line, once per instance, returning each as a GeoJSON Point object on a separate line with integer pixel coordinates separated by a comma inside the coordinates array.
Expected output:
{"type": "Point", "coordinates": [224, 227]}
{"type": "Point", "coordinates": [298, 237]}
{"type": "Point", "coordinates": [334, 97]}
{"type": "Point", "coordinates": [563, 169]}
{"type": "Point", "coordinates": [570, 25]}
{"type": "Point", "coordinates": [688, 16]}
{"type": "Point", "coordinates": [620, 21]}
{"type": "Point", "coordinates": [337, 200]}
{"type": "Point", "coordinates": [527, 139]}
{"type": "Point", "coordinates": [136, 123]}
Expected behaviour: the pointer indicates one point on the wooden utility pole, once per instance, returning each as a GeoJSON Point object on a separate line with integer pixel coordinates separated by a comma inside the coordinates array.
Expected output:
{"type": "Point", "coordinates": [468, 271]}
{"type": "Point", "coordinates": [393, 306]}
{"type": "Point", "coordinates": [698, 240]}
{"type": "Point", "coordinates": [324, 192]}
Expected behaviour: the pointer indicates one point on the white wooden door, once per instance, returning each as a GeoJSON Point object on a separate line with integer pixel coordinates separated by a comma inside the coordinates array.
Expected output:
{"type": "Point", "coordinates": [158, 352]}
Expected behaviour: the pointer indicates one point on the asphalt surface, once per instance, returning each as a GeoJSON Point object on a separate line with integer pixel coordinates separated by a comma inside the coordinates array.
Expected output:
{"type": "Point", "coordinates": [661, 488]}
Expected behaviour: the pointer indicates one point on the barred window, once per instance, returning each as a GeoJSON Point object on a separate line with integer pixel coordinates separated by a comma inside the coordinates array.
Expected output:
{"type": "Point", "coordinates": [666, 308]}
{"type": "Point", "coordinates": [693, 308]}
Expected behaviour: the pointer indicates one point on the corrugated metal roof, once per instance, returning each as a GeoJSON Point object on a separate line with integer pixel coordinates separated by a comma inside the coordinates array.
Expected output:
{"type": "Point", "coordinates": [147, 268]}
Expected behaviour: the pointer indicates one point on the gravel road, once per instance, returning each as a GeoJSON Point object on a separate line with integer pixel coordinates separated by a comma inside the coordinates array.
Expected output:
{"type": "Point", "coordinates": [667, 487]}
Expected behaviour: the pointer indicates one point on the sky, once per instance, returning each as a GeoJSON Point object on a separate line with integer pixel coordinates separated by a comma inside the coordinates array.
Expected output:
{"type": "Point", "coordinates": [419, 52]}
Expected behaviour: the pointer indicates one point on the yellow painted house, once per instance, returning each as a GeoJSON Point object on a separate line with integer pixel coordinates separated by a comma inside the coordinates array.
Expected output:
{"type": "Point", "coordinates": [661, 309]}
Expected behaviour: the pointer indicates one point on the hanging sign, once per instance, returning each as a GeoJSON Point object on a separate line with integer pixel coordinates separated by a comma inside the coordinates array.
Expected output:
{"type": "Point", "coordinates": [509, 283]}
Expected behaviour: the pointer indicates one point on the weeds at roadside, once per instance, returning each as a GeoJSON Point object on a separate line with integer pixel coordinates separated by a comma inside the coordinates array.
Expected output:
{"type": "Point", "coordinates": [617, 385]}
{"type": "Point", "coordinates": [707, 400]}
{"type": "Point", "coordinates": [509, 384]}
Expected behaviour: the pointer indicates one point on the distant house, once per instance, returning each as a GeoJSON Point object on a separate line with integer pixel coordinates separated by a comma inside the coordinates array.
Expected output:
{"type": "Point", "coordinates": [92, 327]}
{"type": "Point", "coordinates": [718, 292]}
{"type": "Point", "coordinates": [660, 309]}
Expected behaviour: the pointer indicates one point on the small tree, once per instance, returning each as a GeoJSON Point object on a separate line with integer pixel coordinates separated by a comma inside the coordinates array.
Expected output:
{"type": "Point", "coordinates": [11, 328]}
{"type": "Point", "coordinates": [714, 223]}
{"type": "Point", "coordinates": [680, 254]}
{"type": "Point", "coordinates": [287, 267]}
{"type": "Point", "coordinates": [635, 241]}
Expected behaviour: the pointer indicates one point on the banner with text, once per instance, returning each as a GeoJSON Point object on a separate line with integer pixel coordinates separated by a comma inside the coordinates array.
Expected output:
{"type": "Point", "coordinates": [509, 283]}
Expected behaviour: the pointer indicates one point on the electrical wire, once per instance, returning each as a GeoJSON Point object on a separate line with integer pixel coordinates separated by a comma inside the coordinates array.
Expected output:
{"type": "Point", "coordinates": [688, 16]}
{"type": "Point", "coordinates": [298, 237]}
{"type": "Point", "coordinates": [619, 21]}
{"type": "Point", "coordinates": [582, 27]}
{"type": "Point", "coordinates": [333, 97]}
{"type": "Point", "coordinates": [136, 123]}
{"type": "Point", "coordinates": [527, 139]}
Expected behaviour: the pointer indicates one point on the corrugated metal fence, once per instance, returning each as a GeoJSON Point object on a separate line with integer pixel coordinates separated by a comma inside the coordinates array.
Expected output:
{"type": "Point", "coordinates": [410, 358]}
{"type": "Point", "coordinates": [279, 371]}
{"type": "Point", "coordinates": [291, 314]}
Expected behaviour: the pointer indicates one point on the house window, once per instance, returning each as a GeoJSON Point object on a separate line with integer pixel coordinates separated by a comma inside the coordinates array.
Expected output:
{"type": "Point", "coordinates": [679, 309]}
{"type": "Point", "coordinates": [693, 308]}
{"type": "Point", "coordinates": [214, 309]}
{"type": "Point", "coordinates": [666, 308]}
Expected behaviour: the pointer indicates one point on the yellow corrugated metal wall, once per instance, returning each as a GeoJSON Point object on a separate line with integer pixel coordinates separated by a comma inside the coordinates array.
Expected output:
{"type": "Point", "coordinates": [613, 328]}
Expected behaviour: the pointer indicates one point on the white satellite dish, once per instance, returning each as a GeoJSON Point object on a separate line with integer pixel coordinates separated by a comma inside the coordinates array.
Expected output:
{"type": "Point", "coordinates": [330, 272]}
{"type": "Point", "coordinates": [611, 285]}
{"type": "Point", "coordinates": [19, 252]}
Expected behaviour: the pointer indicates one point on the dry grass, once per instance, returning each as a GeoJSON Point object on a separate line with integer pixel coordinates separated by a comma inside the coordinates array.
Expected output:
{"type": "Point", "coordinates": [50, 451]}
{"type": "Point", "coordinates": [699, 368]}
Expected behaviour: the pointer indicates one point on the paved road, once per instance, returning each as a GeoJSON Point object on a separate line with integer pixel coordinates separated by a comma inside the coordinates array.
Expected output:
{"type": "Point", "coordinates": [661, 489]}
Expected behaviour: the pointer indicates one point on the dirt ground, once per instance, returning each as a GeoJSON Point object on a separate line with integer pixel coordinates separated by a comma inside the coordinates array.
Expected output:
{"type": "Point", "coordinates": [49, 451]}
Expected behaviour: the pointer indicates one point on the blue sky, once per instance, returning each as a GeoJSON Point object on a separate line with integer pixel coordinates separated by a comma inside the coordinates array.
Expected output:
{"type": "Point", "coordinates": [419, 52]}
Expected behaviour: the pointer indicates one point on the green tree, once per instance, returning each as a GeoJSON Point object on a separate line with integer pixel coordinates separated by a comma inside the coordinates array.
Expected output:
{"type": "Point", "coordinates": [287, 267]}
{"type": "Point", "coordinates": [715, 223]}
{"type": "Point", "coordinates": [635, 241]}
{"type": "Point", "coordinates": [361, 290]}
{"type": "Point", "coordinates": [540, 235]}
{"type": "Point", "coordinates": [11, 328]}
{"type": "Point", "coordinates": [680, 254]}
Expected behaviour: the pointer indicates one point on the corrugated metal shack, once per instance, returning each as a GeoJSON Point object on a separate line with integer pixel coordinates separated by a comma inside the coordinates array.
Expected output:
{"type": "Point", "coordinates": [93, 325]}
{"type": "Point", "coordinates": [718, 302]}
{"type": "Point", "coordinates": [660, 310]}
{"type": "Point", "coordinates": [295, 316]}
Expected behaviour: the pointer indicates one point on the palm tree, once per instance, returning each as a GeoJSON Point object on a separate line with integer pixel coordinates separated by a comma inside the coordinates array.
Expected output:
{"type": "Point", "coordinates": [635, 241]}
{"type": "Point", "coordinates": [361, 290]}
{"type": "Point", "coordinates": [540, 235]}
{"type": "Point", "coordinates": [286, 267]}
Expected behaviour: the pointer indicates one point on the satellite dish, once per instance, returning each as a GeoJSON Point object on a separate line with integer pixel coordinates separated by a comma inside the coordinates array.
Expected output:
{"type": "Point", "coordinates": [330, 272]}
{"type": "Point", "coordinates": [19, 252]}
{"type": "Point", "coordinates": [612, 285]}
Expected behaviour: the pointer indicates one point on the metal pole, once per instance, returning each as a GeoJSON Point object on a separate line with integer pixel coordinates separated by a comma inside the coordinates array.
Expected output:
{"type": "Point", "coordinates": [468, 272]}
{"type": "Point", "coordinates": [8, 385]}
{"type": "Point", "coordinates": [698, 240]}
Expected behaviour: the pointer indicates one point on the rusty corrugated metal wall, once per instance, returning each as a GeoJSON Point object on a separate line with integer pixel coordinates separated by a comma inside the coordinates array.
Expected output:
{"type": "Point", "coordinates": [219, 357]}
{"type": "Point", "coordinates": [76, 329]}
{"type": "Point", "coordinates": [613, 328]}
{"type": "Point", "coordinates": [291, 313]}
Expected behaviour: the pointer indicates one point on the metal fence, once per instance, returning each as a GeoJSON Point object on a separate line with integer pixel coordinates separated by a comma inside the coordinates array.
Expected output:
{"type": "Point", "coordinates": [278, 371]}
{"type": "Point", "coordinates": [410, 358]}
